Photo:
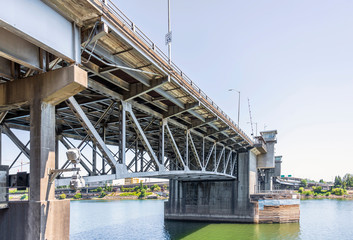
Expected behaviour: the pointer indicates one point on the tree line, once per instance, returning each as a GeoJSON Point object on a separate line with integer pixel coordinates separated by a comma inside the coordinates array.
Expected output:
{"type": "Point", "coordinates": [346, 181]}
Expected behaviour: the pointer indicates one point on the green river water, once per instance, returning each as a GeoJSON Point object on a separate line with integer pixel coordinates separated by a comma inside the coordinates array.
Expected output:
{"type": "Point", "coordinates": [143, 219]}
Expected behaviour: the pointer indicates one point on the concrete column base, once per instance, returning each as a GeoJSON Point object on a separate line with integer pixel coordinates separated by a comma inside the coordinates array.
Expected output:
{"type": "Point", "coordinates": [52, 220]}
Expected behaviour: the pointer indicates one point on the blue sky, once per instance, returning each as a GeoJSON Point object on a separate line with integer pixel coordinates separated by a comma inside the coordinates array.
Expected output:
{"type": "Point", "coordinates": [292, 59]}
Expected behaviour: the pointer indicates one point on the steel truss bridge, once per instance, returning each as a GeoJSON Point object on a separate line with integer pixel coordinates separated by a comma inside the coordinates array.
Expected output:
{"type": "Point", "coordinates": [137, 103]}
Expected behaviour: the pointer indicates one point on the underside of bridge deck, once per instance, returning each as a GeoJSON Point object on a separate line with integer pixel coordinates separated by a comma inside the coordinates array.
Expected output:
{"type": "Point", "coordinates": [138, 114]}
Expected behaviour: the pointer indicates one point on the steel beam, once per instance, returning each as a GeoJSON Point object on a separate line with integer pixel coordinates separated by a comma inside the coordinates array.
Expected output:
{"type": "Point", "coordinates": [200, 123]}
{"type": "Point", "coordinates": [92, 35]}
{"type": "Point", "coordinates": [95, 70]}
{"type": "Point", "coordinates": [138, 89]}
{"type": "Point", "coordinates": [5, 67]}
{"type": "Point", "coordinates": [175, 147]}
{"type": "Point", "coordinates": [75, 107]}
{"type": "Point", "coordinates": [19, 50]}
{"type": "Point", "coordinates": [142, 135]}
{"type": "Point", "coordinates": [18, 156]}
{"type": "Point", "coordinates": [194, 150]}
{"type": "Point", "coordinates": [175, 110]}
{"type": "Point", "coordinates": [209, 155]}
{"type": "Point", "coordinates": [33, 20]}
{"type": "Point", "coordinates": [219, 159]}
{"type": "Point", "coordinates": [228, 159]}
{"type": "Point", "coordinates": [16, 141]}
{"type": "Point", "coordinates": [212, 132]}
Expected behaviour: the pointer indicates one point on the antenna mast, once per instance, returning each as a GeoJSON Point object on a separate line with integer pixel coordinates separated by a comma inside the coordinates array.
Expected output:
{"type": "Point", "coordinates": [251, 123]}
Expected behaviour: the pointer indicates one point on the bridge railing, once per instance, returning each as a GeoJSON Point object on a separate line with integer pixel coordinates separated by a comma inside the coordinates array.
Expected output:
{"type": "Point", "coordinates": [142, 36]}
{"type": "Point", "coordinates": [275, 192]}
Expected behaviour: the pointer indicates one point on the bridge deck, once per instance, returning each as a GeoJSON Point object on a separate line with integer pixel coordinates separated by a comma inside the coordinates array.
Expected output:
{"type": "Point", "coordinates": [124, 65]}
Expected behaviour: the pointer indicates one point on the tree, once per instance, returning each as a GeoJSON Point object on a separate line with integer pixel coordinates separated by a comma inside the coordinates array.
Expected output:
{"type": "Point", "coordinates": [142, 193]}
{"type": "Point", "coordinates": [155, 187]}
{"type": "Point", "coordinates": [303, 183]}
{"type": "Point", "coordinates": [102, 195]}
{"type": "Point", "coordinates": [321, 181]}
{"type": "Point", "coordinates": [348, 179]}
{"type": "Point", "coordinates": [338, 181]}
{"type": "Point", "coordinates": [77, 196]}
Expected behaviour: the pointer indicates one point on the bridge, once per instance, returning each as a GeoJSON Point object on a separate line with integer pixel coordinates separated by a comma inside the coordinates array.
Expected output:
{"type": "Point", "coordinates": [82, 70]}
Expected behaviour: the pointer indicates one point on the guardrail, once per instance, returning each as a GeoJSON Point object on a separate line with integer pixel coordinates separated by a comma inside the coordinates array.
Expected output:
{"type": "Point", "coordinates": [113, 9]}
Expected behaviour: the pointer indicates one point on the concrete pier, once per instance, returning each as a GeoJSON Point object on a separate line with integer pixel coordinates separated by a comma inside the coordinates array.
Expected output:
{"type": "Point", "coordinates": [247, 199]}
{"type": "Point", "coordinates": [42, 217]}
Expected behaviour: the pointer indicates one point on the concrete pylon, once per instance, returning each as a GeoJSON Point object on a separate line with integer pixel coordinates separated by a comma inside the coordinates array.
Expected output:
{"type": "Point", "coordinates": [42, 217]}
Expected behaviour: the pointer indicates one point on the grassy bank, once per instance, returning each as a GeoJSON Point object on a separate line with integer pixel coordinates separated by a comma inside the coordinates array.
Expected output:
{"type": "Point", "coordinates": [318, 193]}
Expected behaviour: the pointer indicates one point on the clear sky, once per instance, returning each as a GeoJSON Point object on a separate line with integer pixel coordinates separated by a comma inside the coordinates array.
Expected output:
{"type": "Point", "coordinates": [292, 59]}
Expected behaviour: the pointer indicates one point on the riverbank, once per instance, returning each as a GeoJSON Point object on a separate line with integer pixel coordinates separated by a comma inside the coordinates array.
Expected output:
{"type": "Point", "coordinates": [335, 194]}
{"type": "Point", "coordinates": [115, 193]}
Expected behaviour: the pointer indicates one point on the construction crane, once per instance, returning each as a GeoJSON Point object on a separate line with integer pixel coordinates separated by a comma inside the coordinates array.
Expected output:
{"type": "Point", "coordinates": [251, 123]}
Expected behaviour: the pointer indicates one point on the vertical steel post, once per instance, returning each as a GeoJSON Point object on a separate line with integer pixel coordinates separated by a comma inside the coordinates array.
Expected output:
{"type": "Point", "coordinates": [136, 155]}
{"type": "Point", "coordinates": [215, 157]}
{"type": "Point", "coordinates": [161, 142]}
{"type": "Point", "coordinates": [94, 158]}
{"type": "Point", "coordinates": [203, 152]}
{"type": "Point", "coordinates": [0, 145]}
{"type": "Point", "coordinates": [141, 170]}
{"type": "Point", "coordinates": [122, 132]}
{"type": "Point", "coordinates": [187, 149]}
{"type": "Point", "coordinates": [104, 139]}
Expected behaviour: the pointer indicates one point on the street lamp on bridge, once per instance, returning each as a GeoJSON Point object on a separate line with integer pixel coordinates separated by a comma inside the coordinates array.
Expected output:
{"type": "Point", "coordinates": [231, 90]}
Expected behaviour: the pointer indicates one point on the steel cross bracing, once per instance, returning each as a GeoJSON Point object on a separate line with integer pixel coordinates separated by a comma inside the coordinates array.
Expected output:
{"type": "Point", "coordinates": [140, 116]}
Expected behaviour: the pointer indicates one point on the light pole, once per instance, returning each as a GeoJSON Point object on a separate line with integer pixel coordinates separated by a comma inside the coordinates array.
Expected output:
{"type": "Point", "coordinates": [238, 103]}
{"type": "Point", "coordinates": [168, 36]}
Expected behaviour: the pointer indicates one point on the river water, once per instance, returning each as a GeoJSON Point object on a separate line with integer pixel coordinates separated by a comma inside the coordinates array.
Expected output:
{"type": "Point", "coordinates": [143, 219]}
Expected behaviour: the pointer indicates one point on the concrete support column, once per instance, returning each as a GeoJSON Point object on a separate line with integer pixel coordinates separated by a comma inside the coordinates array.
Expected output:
{"type": "Point", "coordinates": [43, 210]}
{"type": "Point", "coordinates": [243, 180]}
{"type": "Point", "coordinates": [42, 151]}
{"type": "Point", "coordinates": [42, 217]}
{"type": "Point", "coordinates": [0, 145]}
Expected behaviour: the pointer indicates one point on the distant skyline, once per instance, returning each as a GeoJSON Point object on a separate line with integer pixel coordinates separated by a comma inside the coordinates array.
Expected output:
{"type": "Point", "coordinates": [292, 59]}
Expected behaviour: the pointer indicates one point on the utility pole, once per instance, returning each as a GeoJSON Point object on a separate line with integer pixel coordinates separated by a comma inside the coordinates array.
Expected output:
{"type": "Point", "coordinates": [168, 36]}
{"type": "Point", "coordinates": [238, 104]}
{"type": "Point", "coordinates": [251, 123]}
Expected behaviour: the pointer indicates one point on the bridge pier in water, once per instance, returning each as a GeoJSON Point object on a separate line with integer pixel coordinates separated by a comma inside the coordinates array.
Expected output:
{"type": "Point", "coordinates": [213, 200]}
{"type": "Point", "coordinates": [246, 199]}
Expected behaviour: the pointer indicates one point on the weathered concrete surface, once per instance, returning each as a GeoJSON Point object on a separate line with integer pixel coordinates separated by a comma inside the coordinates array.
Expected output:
{"type": "Point", "coordinates": [277, 207]}
{"type": "Point", "coordinates": [44, 217]}
{"type": "Point", "coordinates": [14, 221]}
{"type": "Point", "coordinates": [215, 201]}
{"type": "Point", "coordinates": [52, 87]}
